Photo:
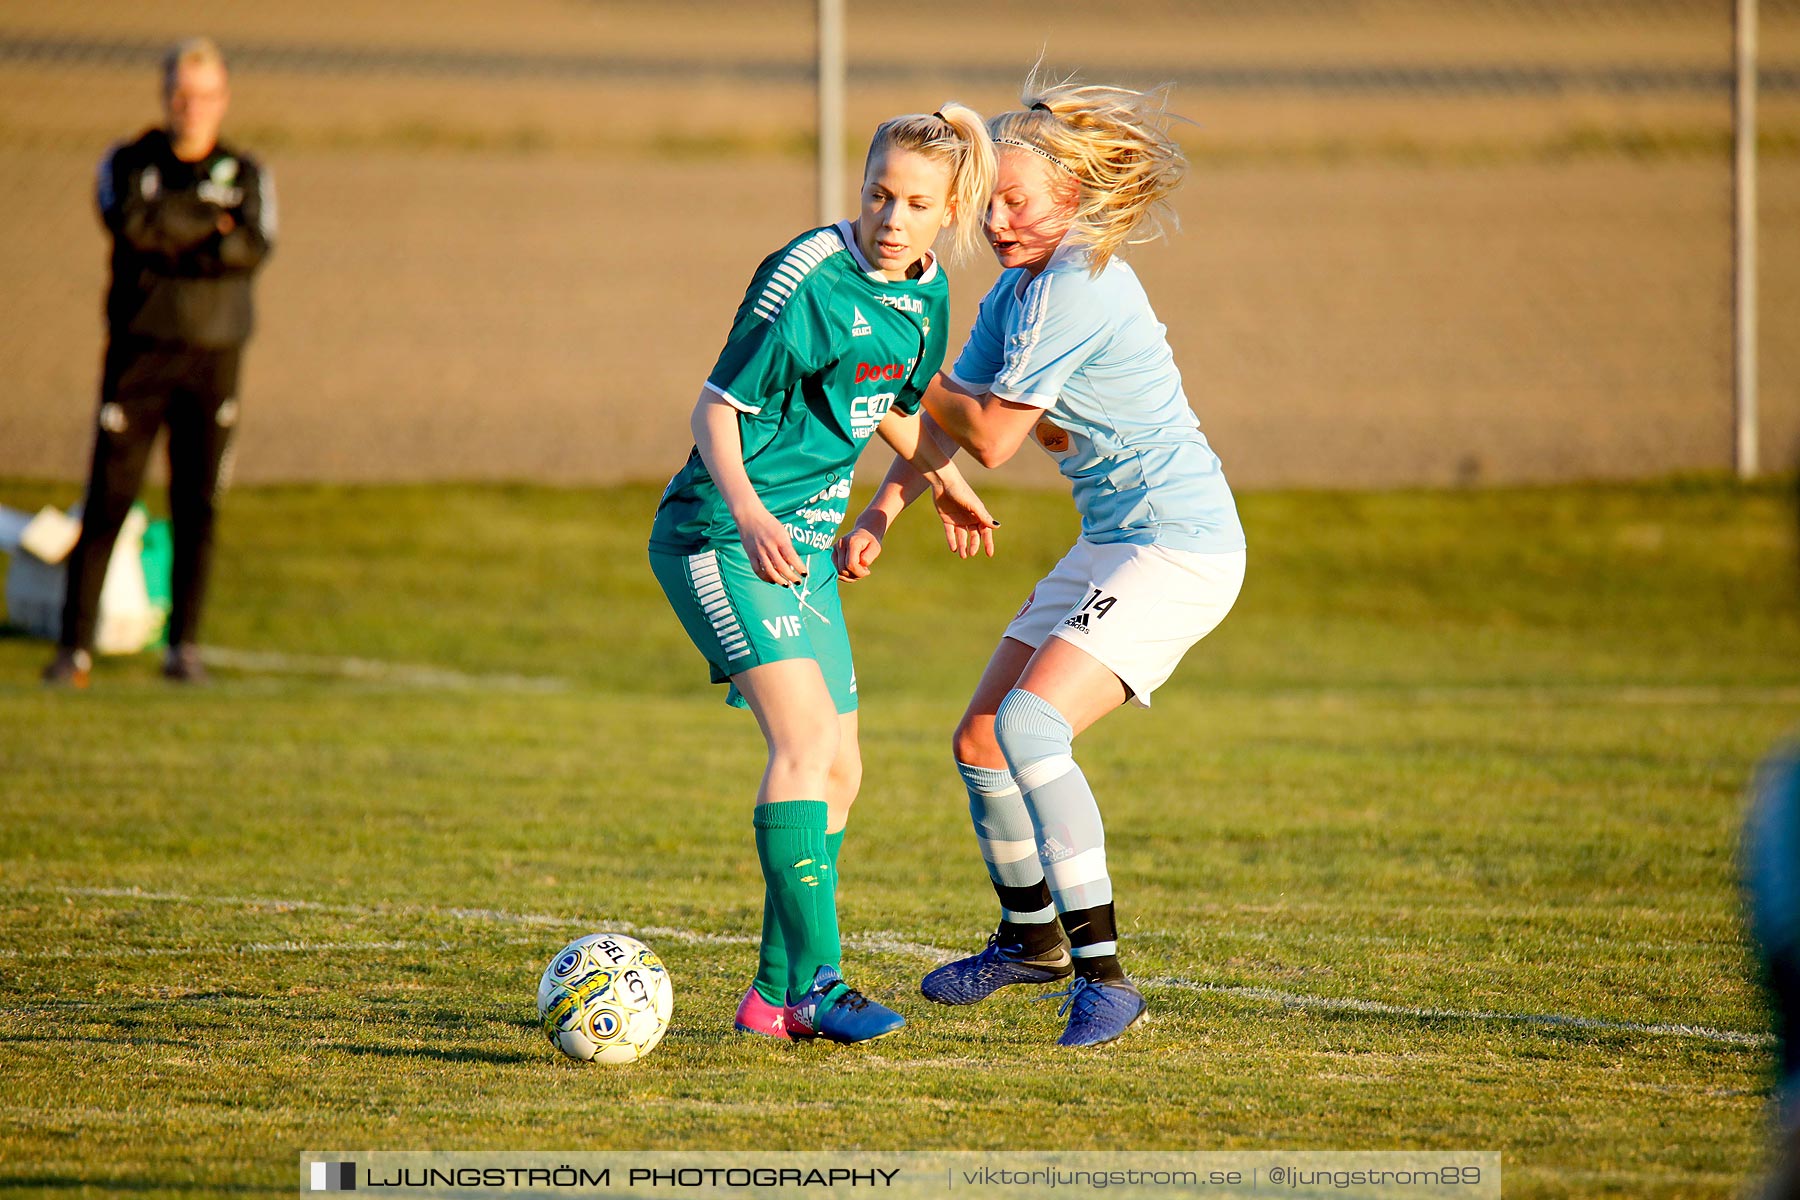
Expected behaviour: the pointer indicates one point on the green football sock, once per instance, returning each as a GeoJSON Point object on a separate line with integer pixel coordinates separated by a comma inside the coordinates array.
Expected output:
{"type": "Point", "coordinates": [772, 959]}
{"type": "Point", "coordinates": [801, 882]}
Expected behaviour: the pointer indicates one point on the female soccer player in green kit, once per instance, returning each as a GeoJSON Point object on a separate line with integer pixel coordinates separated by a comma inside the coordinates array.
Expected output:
{"type": "Point", "coordinates": [835, 341]}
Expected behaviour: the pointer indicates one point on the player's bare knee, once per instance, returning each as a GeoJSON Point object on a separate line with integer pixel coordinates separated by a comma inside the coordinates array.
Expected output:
{"type": "Point", "coordinates": [845, 780]}
{"type": "Point", "coordinates": [808, 750]}
{"type": "Point", "coordinates": [974, 742]}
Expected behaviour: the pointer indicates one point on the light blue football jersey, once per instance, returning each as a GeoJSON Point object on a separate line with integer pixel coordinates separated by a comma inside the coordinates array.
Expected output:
{"type": "Point", "coordinates": [1091, 353]}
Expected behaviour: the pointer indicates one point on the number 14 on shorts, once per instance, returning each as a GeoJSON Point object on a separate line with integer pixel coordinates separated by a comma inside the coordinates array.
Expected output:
{"type": "Point", "coordinates": [1097, 605]}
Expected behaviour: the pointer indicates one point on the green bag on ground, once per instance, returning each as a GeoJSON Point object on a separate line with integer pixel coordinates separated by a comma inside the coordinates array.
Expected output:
{"type": "Point", "coordinates": [158, 557]}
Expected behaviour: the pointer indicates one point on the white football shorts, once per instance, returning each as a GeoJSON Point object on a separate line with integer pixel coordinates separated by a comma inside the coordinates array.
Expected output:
{"type": "Point", "coordinates": [1137, 609]}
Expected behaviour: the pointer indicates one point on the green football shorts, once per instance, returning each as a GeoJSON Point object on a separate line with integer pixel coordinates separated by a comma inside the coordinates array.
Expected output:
{"type": "Point", "coordinates": [739, 621]}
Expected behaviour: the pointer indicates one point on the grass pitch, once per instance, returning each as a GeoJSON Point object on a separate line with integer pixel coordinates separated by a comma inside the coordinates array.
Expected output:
{"type": "Point", "coordinates": [1430, 846]}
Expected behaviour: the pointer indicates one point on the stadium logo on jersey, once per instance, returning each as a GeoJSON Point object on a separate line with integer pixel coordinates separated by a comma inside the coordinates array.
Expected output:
{"type": "Point", "coordinates": [860, 327]}
{"type": "Point", "coordinates": [868, 371]}
{"type": "Point", "coordinates": [866, 413]}
{"type": "Point", "coordinates": [911, 304]}
{"type": "Point", "coordinates": [214, 192]}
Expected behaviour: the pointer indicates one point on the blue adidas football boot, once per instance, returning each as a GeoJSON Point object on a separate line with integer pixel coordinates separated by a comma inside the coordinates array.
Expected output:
{"type": "Point", "coordinates": [1098, 1010]}
{"type": "Point", "coordinates": [968, 980]}
{"type": "Point", "coordinates": [833, 1010]}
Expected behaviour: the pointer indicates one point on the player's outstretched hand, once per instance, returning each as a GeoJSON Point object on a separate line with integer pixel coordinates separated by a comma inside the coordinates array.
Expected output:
{"type": "Point", "coordinates": [771, 550]}
{"type": "Point", "coordinates": [855, 554]}
{"type": "Point", "coordinates": [968, 526]}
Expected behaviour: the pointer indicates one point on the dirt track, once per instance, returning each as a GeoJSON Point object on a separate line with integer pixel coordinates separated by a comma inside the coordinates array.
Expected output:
{"type": "Point", "coordinates": [547, 310]}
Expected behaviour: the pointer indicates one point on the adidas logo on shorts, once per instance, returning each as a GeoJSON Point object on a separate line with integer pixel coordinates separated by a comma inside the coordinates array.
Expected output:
{"type": "Point", "coordinates": [1078, 621]}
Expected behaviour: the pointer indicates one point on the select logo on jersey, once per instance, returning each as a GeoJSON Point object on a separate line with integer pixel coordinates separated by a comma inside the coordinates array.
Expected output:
{"type": "Point", "coordinates": [866, 413]}
{"type": "Point", "coordinates": [860, 327]}
{"type": "Point", "coordinates": [868, 371]}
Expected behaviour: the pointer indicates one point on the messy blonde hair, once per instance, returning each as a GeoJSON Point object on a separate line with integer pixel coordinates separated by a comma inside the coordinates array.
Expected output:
{"type": "Point", "coordinates": [1111, 149]}
{"type": "Point", "coordinates": [956, 136]}
{"type": "Point", "coordinates": [191, 52]}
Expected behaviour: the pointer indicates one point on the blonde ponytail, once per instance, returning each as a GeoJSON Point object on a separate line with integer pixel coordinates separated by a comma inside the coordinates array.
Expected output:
{"type": "Point", "coordinates": [956, 136]}
{"type": "Point", "coordinates": [1114, 144]}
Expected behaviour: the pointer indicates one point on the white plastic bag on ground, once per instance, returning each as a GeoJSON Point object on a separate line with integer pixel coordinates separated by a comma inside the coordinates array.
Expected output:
{"type": "Point", "coordinates": [34, 588]}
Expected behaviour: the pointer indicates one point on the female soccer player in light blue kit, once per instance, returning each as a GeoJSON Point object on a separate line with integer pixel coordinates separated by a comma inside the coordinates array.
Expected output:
{"type": "Point", "coordinates": [833, 343]}
{"type": "Point", "coordinates": [1067, 349]}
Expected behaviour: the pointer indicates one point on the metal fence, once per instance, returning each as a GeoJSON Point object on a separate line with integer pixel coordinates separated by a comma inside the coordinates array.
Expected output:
{"type": "Point", "coordinates": [1460, 242]}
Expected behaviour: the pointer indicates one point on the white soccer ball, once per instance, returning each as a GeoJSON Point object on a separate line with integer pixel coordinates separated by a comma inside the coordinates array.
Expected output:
{"type": "Point", "coordinates": [605, 998]}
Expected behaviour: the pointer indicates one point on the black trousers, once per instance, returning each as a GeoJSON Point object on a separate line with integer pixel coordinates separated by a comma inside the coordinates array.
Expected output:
{"type": "Point", "coordinates": [143, 387]}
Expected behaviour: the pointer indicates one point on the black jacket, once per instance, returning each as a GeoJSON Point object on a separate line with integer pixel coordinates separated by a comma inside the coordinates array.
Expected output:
{"type": "Point", "coordinates": [175, 277]}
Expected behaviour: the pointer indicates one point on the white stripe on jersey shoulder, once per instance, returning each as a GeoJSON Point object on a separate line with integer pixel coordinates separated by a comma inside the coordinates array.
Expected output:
{"type": "Point", "coordinates": [795, 266]}
{"type": "Point", "coordinates": [849, 235]}
{"type": "Point", "coordinates": [1030, 317]}
{"type": "Point", "coordinates": [730, 399]}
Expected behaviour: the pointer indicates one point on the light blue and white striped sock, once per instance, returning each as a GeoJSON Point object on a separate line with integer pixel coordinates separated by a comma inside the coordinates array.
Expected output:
{"type": "Point", "coordinates": [1071, 841]}
{"type": "Point", "coordinates": [1008, 845]}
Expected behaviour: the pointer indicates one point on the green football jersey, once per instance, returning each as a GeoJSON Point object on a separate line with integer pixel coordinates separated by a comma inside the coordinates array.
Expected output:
{"type": "Point", "coordinates": [821, 349]}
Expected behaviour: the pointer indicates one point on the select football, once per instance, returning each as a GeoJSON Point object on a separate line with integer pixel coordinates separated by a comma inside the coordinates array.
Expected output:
{"type": "Point", "coordinates": [605, 998]}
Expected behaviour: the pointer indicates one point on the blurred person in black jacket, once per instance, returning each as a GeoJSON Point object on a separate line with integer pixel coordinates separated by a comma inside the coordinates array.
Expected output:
{"type": "Point", "coordinates": [191, 220]}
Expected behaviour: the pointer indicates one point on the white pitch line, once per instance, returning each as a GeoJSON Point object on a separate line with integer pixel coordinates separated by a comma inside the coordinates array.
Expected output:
{"type": "Point", "coordinates": [1555, 1020]}
{"type": "Point", "coordinates": [873, 942]}
{"type": "Point", "coordinates": [204, 951]}
{"type": "Point", "coordinates": [886, 942]}
{"type": "Point", "coordinates": [422, 675]}
{"type": "Point", "coordinates": [1546, 693]}
{"type": "Point", "coordinates": [272, 662]}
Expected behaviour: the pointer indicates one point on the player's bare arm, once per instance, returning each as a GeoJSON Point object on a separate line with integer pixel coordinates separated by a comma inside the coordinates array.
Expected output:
{"type": "Point", "coordinates": [856, 551]}
{"type": "Point", "coordinates": [968, 526]}
{"type": "Point", "coordinates": [721, 446]}
{"type": "Point", "coordinates": [989, 428]}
